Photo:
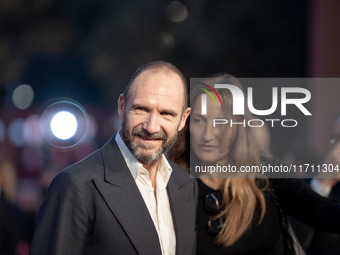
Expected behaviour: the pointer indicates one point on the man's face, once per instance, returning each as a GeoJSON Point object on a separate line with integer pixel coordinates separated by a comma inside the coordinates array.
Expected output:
{"type": "Point", "coordinates": [153, 114]}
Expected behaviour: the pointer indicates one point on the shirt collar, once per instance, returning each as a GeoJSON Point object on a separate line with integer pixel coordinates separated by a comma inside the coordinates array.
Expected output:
{"type": "Point", "coordinates": [135, 166]}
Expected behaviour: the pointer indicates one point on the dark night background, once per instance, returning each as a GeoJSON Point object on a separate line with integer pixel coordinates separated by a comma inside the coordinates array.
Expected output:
{"type": "Point", "coordinates": [87, 50]}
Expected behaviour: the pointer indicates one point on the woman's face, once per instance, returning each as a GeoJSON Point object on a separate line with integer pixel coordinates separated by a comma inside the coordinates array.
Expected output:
{"type": "Point", "coordinates": [210, 144]}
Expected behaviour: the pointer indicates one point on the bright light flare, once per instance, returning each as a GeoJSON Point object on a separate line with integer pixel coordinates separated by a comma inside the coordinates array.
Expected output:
{"type": "Point", "coordinates": [64, 125]}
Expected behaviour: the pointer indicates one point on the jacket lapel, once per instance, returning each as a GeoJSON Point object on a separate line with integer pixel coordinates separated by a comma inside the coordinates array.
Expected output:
{"type": "Point", "coordinates": [183, 211]}
{"type": "Point", "coordinates": [121, 194]}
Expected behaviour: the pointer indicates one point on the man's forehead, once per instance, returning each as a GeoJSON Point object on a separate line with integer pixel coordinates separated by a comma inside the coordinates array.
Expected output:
{"type": "Point", "coordinates": [159, 81]}
{"type": "Point", "coordinates": [156, 95]}
{"type": "Point", "coordinates": [152, 73]}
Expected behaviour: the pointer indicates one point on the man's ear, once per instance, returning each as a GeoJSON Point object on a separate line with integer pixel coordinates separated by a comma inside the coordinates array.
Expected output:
{"type": "Point", "coordinates": [185, 115]}
{"type": "Point", "coordinates": [121, 106]}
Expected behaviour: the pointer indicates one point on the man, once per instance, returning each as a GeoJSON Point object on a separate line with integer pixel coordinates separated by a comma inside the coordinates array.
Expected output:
{"type": "Point", "coordinates": [126, 198]}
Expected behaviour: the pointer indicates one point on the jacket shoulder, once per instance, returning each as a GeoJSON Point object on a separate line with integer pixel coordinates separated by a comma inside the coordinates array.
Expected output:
{"type": "Point", "coordinates": [89, 166]}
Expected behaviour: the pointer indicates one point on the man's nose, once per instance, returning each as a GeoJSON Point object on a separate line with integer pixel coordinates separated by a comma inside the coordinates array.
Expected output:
{"type": "Point", "coordinates": [152, 124]}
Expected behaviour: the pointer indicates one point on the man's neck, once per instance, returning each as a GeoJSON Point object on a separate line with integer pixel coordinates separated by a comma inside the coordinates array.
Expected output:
{"type": "Point", "coordinates": [152, 168]}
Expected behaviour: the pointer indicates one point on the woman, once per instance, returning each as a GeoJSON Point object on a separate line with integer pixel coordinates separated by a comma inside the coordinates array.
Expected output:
{"type": "Point", "coordinates": [238, 213]}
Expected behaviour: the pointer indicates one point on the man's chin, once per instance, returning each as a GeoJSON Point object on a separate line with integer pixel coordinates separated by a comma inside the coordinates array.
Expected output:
{"type": "Point", "coordinates": [147, 153]}
{"type": "Point", "coordinates": [147, 150]}
{"type": "Point", "coordinates": [149, 145]}
{"type": "Point", "coordinates": [148, 158]}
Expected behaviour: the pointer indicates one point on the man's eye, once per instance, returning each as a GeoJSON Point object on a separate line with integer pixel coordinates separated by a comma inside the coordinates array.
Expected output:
{"type": "Point", "coordinates": [166, 113]}
{"type": "Point", "coordinates": [141, 109]}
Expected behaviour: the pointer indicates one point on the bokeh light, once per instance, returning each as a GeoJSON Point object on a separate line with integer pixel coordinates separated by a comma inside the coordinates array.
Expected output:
{"type": "Point", "coordinates": [176, 11]}
{"type": "Point", "coordinates": [23, 96]}
{"type": "Point", "coordinates": [32, 133]}
{"type": "Point", "coordinates": [15, 132]}
{"type": "Point", "coordinates": [167, 40]}
{"type": "Point", "coordinates": [64, 125]}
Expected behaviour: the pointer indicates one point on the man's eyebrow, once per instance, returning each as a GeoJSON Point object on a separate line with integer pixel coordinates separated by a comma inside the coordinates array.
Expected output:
{"type": "Point", "coordinates": [161, 110]}
{"type": "Point", "coordinates": [134, 106]}
{"type": "Point", "coordinates": [172, 112]}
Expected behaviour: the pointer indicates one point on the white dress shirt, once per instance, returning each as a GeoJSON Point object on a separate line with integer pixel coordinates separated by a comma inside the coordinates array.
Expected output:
{"type": "Point", "coordinates": [156, 202]}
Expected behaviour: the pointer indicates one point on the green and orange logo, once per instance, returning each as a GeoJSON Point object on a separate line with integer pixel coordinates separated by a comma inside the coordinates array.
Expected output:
{"type": "Point", "coordinates": [204, 87]}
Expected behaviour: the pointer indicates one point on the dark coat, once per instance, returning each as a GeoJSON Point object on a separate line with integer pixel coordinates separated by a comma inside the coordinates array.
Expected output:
{"type": "Point", "coordinates": [95, 207]}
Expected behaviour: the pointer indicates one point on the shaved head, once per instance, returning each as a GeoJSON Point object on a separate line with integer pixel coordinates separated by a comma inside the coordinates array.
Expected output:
{"type": "Point", "coordinates": [157, 66]}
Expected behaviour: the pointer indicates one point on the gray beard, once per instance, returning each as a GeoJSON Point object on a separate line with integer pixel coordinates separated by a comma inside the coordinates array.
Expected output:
{"type": "Point", "coordinates": [133, 146]}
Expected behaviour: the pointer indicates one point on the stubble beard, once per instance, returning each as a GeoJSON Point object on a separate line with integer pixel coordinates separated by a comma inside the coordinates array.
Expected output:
{"type": "Point", "coordinates": [138, 149]}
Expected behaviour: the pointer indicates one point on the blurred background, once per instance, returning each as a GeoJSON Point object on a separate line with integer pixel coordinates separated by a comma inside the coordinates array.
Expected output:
{"type": "Point", "coordinates": [71, 59]}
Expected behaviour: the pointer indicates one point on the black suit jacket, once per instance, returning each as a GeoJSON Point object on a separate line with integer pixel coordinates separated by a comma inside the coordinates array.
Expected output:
{"type": "Point", "coordinates": [95, 207]}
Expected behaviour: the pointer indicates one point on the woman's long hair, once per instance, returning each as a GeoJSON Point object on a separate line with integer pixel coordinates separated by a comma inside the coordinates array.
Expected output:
{"type": "Point", "coordinates": [240, 196]}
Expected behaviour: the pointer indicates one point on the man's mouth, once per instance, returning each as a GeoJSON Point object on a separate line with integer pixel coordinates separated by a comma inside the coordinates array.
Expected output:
{"type": "Point", "coordinates": [147, 138]}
